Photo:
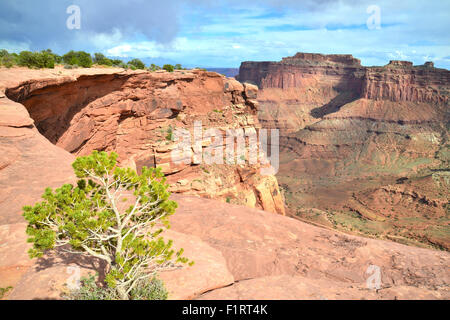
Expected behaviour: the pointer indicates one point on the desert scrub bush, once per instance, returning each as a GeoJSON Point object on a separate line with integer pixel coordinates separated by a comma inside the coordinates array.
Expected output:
{"type": "Point", "coordinates": [116, 62]}
{"type": "Point", "coordinates": [100, 59]}
{"type": "Point", "coordinates": [43, 59]}
{"type": "Point", "coordinates": [4, 291]}
{"type": "Point", "coordinates": [87, 219]}
{"type": "Point", "coordinates": [3, 53]}
{"type": "Point", "coordinates": [7, 59]}
{"type": "Point", "coordinates": [136, 63]}
{"type": "Point", "coordinates": [79, 58]}
{"type": "Point", "coordinates": [90, 290]}
{"type": "Point", "coordinates": [154, 67]}
{"type": "Point", "coordinates": [147, 289]}
{"type": "Point", "coordinates": [169, 135]}
{"type": "Point", "coordinates": [57, 58]}
{"type": "Point", "coordinates": [168, 67]}
{"type": "Point", "coordinates": [68, 66]}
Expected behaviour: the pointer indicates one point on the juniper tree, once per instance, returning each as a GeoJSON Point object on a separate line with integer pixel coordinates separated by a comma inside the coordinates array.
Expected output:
{"type": "Point", "coordinates": [87, 219]}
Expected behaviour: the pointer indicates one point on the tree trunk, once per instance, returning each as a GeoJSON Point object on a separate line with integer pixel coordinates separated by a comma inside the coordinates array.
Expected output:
{"type": "Point", "coordinates": [122, 293]}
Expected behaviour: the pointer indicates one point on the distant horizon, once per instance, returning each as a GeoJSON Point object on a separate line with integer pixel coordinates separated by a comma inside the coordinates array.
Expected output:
{"type": "Point", "coordinates": [148, 61]}
{"type": "Point", "coordinates": [237, 67]}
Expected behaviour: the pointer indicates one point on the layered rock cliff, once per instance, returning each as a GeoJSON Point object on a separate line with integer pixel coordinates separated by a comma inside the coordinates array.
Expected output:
{"type": "Point", "coordinates": [299, 90]}
{"type": "Point", "coordinates": [346, 128]}
{"type": "Point", "coordinates": [136, 114]}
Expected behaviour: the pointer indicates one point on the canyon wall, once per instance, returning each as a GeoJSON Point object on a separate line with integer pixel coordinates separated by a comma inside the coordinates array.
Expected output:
{"type": "Point", "coordinates": [302, 89]}
{"type": "Point", "coordinates": [136, 114]}
{"type": "Point", "coordinates": [347, 131]}
{"type": "Point", "coordinates": [330, 107]}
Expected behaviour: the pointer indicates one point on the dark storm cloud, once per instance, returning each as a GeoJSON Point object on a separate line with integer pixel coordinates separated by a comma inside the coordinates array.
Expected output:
{"type": "Point", "coordinates": [43, 23]}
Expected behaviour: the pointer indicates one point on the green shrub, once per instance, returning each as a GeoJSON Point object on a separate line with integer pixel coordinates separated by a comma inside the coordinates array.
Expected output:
{"type": "Point", "coordinates": [154, 67]}
{"type": "Point", "coordinates": [42, 59]}
{"type": "Point", "coordinates": [7, 59]}
{"type": "Point", "coordinates": [149, 290]}
{"type": "Point", "coordinates": [178, 67]}
{"type": "Point", "coordinates": [56, 58]}
{"type": "Point", "coordinates": [168, 67]}
{"type": "Point", "coordinates": [90, 290]}
{"type": "Point", "coordinates": [27, 59]}
{"type": "Point", "coordinates": [169, 133]}
{"type": "Point", "coordinates": [4, 291]}
{"type": "Point", "coordinates": [100, 59]}
{"type": "Point", "coordinates": [144, 290]}
{"type": "Point", "coordinates": [45, 59]}
{"type": "Point", "coordinates": [138, 64]}
{"type": "Point", "coordinates": [79, 58]}
{"type": "Point", "coordinates": [117, 62]}
{"type": "Point", "coordinates": [87, 218]}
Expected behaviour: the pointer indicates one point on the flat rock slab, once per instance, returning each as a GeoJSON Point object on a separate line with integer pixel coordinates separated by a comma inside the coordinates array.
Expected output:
{"type": "Point", "coordinates": [300, 288]}
{"type": "Point", "coordinates": [258, 244]}
{"type": "Point", "coordinates": [209, 271]}
{"type": "Point", "coordinates": [51, 276]}
{"type": "Point", "coordinates": [28, 163]}
{"type": "Point", "coordinates": [14, 259]}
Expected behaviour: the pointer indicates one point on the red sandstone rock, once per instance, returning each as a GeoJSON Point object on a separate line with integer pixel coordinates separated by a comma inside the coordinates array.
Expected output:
{"type": "Point", "coordinates": [209, 271]}
{"type": "Point", "coordinates": [256, 244]}
{"type": "Point", "coordinates": [28, 162]}
{"type": "Point", "coordinates": [14, 260]}
{"type": "Point", "coordinates": [50, 276]}
{"type": "Point", "coordinates": [345, 128]}
{"type": "Point", "coordinates": [281, 255]}
{"type": "Point", "coordinates": [134, 113]}
{"type": "Point", "coordinates": [300, 288]}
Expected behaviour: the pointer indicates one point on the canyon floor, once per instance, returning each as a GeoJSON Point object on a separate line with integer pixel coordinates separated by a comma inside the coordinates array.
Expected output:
{"type": "Point", "coordinates": [245, 249]}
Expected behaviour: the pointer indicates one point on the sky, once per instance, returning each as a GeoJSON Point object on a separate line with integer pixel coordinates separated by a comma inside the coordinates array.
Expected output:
{"type": "Point", "coordinates": [219, 33]}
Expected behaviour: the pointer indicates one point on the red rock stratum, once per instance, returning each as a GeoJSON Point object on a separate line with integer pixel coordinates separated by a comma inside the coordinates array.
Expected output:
{"type": "Point", "coordinates": [349, 133]}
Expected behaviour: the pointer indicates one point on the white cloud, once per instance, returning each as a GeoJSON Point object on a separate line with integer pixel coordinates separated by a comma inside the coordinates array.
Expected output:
{"type": "Point", "coordinates": [120, 51]}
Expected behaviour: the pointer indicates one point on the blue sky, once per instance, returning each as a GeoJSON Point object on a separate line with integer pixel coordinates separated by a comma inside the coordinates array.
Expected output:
{"type": "Point", "coordinates": [225, 33]}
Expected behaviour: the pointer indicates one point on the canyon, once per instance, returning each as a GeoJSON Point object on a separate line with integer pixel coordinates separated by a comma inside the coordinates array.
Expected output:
{"type": "Point", "coordinates": [363, 149]}
{"type": "Point", "coordinates": [231, 219]}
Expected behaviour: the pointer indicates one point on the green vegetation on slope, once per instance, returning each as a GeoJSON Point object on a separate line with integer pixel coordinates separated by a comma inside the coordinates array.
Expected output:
{"type": "Point", "coordinates": [73, 59]}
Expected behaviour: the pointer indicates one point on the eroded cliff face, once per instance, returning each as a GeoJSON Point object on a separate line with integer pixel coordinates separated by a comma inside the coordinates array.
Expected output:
{"type": "Point", "coordinates": [400, 81]}
{"type": "Point", "coordinates": [136, 113]}
{"type": "Point", "coordinates": [299, 90]}
{"type": "Point", "coordinates": [346, 128]}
